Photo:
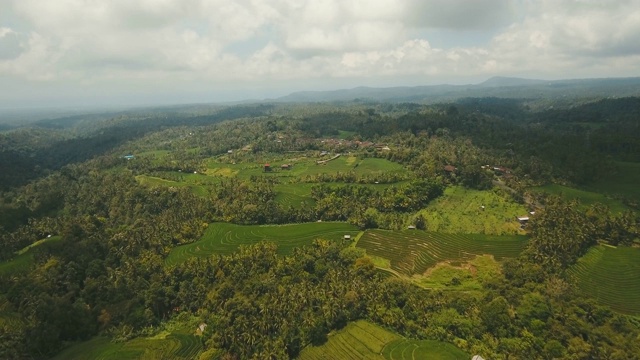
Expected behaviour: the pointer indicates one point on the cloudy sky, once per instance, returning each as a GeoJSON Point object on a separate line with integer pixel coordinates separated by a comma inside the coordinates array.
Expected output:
{"type": "Point", "coordinates": [127, 52]}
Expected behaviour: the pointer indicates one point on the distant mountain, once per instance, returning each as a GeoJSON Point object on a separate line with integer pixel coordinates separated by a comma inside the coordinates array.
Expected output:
{"type": "Point", "coordinates": [502, 87]}
{"type": "Point", "coordinates": [499, 81]}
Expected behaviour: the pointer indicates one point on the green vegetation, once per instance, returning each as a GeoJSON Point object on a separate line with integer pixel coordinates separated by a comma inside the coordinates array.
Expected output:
{"type": "Point", "coordinates": [611, 276]}
{"type": "Point", "coordinates": [405, 349]}
{"type": "Point", "coordinates": [188, 181]}
{"type": "Point", "coordinates": [140, 267]}
{"type": "Point", "coordinates": [471, 275]}
{"type": "Point", "coordinates": [174, 346]}
{"type": "Point", "coordinates": [358, 340]}
{"type": "Point", "coordinates": [460, 210]}
{"type": "Point", "coordinates": [24, 258]}
{"type": "Point", "coordinates": [413, 252]}
{"type": "Point", "coordinates": [223, 238]}
{"type": "Point", "coordinates": [295, 195]}
{"type": "Point", "coordinates": [586, 198]}
{"type": "Point", "coordinates": [623, 181]}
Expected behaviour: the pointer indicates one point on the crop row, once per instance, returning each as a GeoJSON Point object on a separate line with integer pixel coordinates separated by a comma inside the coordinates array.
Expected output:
{"type": "Point", "coordinates": [413, 252]}
{"type": "Point", "coordinates": [223, 238]}
{"type": "Point", "coordinates": [611, 276]}
{"type": "Point", "coordinates": [359, 340]}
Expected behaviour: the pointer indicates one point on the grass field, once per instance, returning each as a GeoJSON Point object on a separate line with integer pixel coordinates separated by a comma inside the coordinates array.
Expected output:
{"type": "Point", "coordinates": [413, 252]}
{"type": "Point", "coordinates": [364, 340]}
{"type": "Point", "coordinates": [223, 238]}
{"type": "Point", "coordinates": [623, 182]}
{"type": "Point", "coordinates": [466, 276]}
{"type": "Point", "coordinates": [294, 194]}
{"type": "Point", "coordinates": [173, 346]}
{"type": "Point", "coordinates": [358, 340]}
{"type": "Point", "coordinates": [422, 349]}
{"type": "Point", "coordinates": [305, 167]}
{"type": "Point", "coordinates": [586, 198]}
{"type": "Point", "coordinates": [611, 276]}
{"type": "Point", "coordinates": [459, 210]}
{"type": "Point", "coordinates": [25, 257]}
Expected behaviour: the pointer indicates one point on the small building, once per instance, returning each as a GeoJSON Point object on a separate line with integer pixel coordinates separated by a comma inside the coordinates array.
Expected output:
{"type": "Point", "coordinates": [285, 166]}
{"type": "Point", "coordinates": [477, 357]}
{"type": "Point", "coordinates": [347, 238]}
{"type": "Point", "coordinates": [267, 167]}
{"type": "Point", "coordinates": [522, 219]}
{"type": "Point", "coordinates": [230, 152]}
{"type": "Point", "coordinates": [411, 227]}
{"type": "Point", "coordinates": [129, 157]}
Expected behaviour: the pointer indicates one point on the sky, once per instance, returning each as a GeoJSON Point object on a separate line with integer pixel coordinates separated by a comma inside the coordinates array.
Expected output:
{"type": "Point", "coordinates": [143, 52]}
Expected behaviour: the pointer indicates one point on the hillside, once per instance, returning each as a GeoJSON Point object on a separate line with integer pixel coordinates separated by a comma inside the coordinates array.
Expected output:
{"type": "Point", "coordinates": [562, 91]}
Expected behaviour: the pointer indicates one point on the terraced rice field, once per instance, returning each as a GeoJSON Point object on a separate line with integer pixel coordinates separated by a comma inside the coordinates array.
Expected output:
{"type": "Point", "coordinates": [611, 276]}
{"type": "Point", "coordinates": [422, 349]}
{"type": "Point", "coordinates": [364, 340]}
{"type": "Point", "coordinates": [359, 340]}
{"type": "Point", "coordinates": [174, 346]}
{"type": "Point", "coordinates": [294, 195]}
{"type": "Point", "coordinates": [25, 257]}
{"type": "Point", "coordinates": [460, 211]}
{"type": "Point", "coordinates": [224, 238]}
{"type": "Point", "coordinates": [413, 252]}
{"type": "Point", "coordinates": [587, 198]}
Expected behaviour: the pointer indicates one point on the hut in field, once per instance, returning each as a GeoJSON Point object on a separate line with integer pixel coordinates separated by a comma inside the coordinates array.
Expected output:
{"type": "Point", "coordinates": [346, 238]}
{"type": "Point", "coordinates": [411, 227]}
{"type": "Point", "coordinates": [285, 166]}
{"type": "Point", "coordinates": [267, 167]}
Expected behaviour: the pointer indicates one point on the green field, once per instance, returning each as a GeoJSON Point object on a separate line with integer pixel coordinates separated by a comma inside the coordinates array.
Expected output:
{"type": "Point", "coordinates": [294, 195]}
{"type": "Point", "coordinates": [173, 346]}
{"type": "Point", "coordinates": [305, 167]}
{"type": "Point", "coordinates": [364, 340]}
{"type": "Point", "coordinates": [413, 251]}
{"type": "Point", "coordinates": [586, 198]}
{"type": "Point", "coordinates": [358, 340]}
{"type": "Point", "coordinates": [611, 276]}
{"type": "Point", "coordinates": [623, 182]}
{"type": "Point", "coordinates": [25, 257]}
{"type": "Point", "coordinates": [224, 238]}
{"type": "Point", "coordinates": [459, 210]}
{"type": "Point", "coordinates": [423, 349]}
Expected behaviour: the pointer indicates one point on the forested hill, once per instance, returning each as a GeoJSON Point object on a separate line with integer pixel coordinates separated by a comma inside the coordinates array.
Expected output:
{"type": "Point", "coordinates": [503, 87]}
{"type": "Point", "coordinates": [364, 229]}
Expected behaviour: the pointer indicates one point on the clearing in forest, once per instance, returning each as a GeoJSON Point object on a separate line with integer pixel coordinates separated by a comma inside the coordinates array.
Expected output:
{"type": "Point", "coordinates": [587, 198]}
{"type": "Point", "coordinates": [422, 349]}
{"type": "Point", "coordinates": [623, 181]}
{"type": "Point", "coordinates": [25, 257]}
{"type": "Point", "coordinates": [224, 238]}
{"type": "Point", "coordinates": [173, 346]}
{"type": "Point", "coordinates": [611, 276]}
{"type": "Point", "coordinates": [461, 210]}
{"type": "Point", "coordinates": [412, 252]}
{"type": "Point", "coordinates": [364, 340]}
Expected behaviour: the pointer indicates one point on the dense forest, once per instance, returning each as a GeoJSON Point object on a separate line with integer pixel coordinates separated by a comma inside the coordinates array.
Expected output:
{"type": "Point", "coordinates": [92, 207]}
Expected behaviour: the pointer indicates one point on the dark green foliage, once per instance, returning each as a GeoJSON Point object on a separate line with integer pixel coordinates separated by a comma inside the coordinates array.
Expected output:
{"type": "Point", "coordinates": [107, 271]}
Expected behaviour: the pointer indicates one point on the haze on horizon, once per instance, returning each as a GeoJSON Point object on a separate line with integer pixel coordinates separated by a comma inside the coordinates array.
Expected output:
{"type": "Point", "coordinates": [148, 52]}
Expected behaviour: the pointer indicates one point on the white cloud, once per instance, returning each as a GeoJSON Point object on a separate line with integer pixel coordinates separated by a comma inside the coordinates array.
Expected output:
{"type": "Point", "coordinates": [149, 42]}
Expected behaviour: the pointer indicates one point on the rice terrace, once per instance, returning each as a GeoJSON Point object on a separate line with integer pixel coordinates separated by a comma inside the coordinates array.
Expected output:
{"type": "Point", "coordinates": [611, 276]}
{"type": "Point", "coordinates": [364, 340]}
{"type": "Point", "coordinates": [413, 252]}
{"type": "Point", "coordinates": [224, 238]}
